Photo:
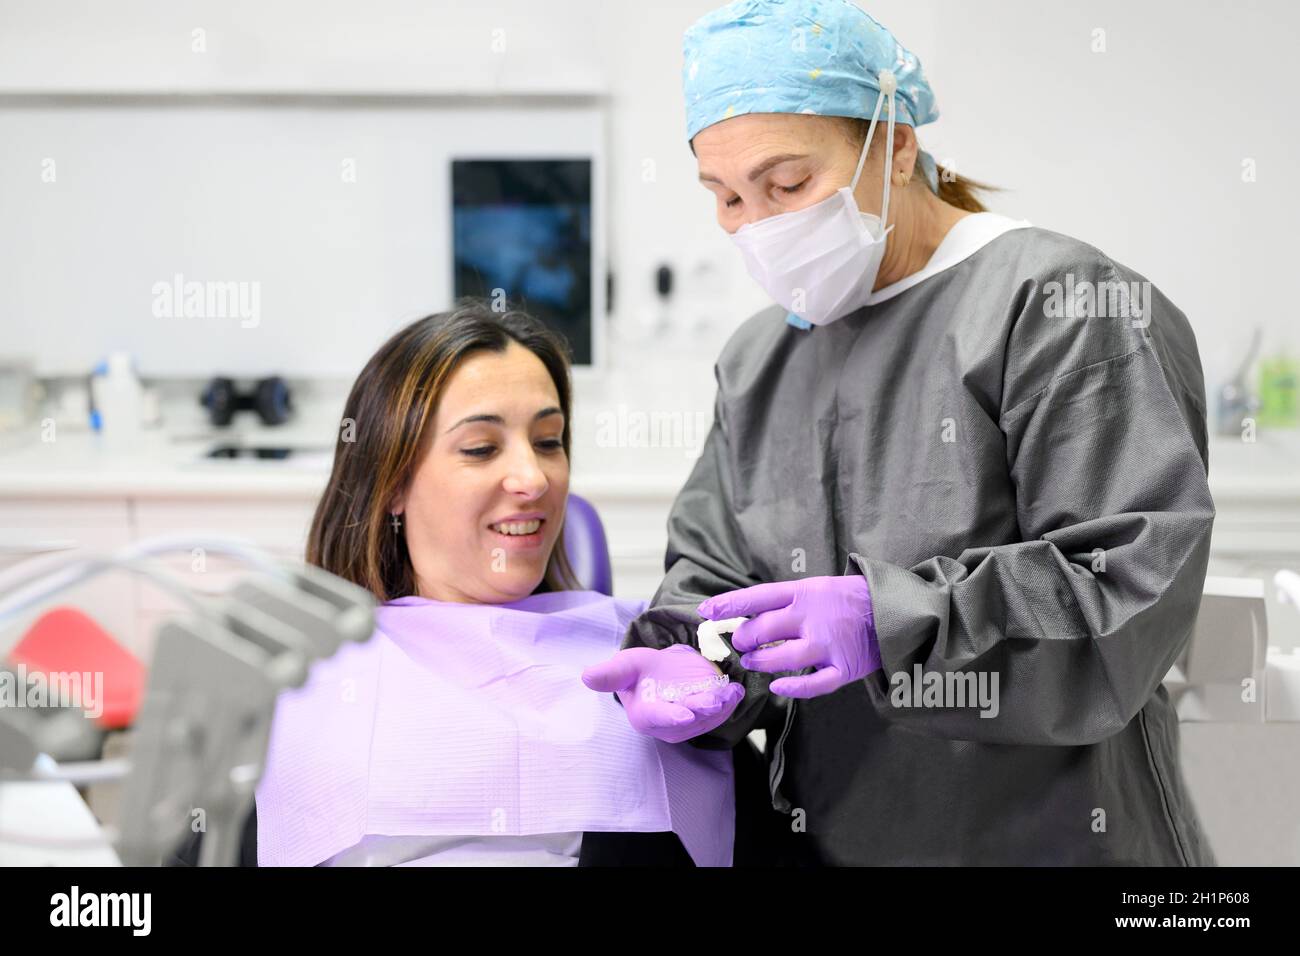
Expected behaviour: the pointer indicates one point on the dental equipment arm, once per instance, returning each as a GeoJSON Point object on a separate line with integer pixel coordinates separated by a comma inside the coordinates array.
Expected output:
{"type": "Point", "coordinates": [202, 731]}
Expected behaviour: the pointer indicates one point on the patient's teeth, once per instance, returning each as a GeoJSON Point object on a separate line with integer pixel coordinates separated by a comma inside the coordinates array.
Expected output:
{"type": "Point", "coordinates": [518, 527]}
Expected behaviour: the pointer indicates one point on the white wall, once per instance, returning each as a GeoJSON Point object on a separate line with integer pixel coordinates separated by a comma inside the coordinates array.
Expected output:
{"type": "Point", "coordinates": [1138, 149]}
{"type": "Point", "coordinates": [321, 226]}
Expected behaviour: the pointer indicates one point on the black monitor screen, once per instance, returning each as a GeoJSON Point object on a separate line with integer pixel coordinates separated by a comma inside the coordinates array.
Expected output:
{"type": "Point", "coordinates": [524, 226]}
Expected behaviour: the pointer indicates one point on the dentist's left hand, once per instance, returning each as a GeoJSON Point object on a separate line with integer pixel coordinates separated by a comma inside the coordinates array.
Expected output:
{"type": "Point", "coordinates": [826, 623]}
{"type": "Point", "coordinates": [636, 673]}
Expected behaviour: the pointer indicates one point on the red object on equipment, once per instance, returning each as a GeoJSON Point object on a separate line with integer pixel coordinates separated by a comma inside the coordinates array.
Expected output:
{"type": "Point", "coordinates": [66, 641]}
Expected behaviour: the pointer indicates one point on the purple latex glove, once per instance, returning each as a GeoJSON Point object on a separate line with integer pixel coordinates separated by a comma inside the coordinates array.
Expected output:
{"type": "Point", "coordinates": [635, 674]}
{"type": "Point", "coordinates": [825, 622]}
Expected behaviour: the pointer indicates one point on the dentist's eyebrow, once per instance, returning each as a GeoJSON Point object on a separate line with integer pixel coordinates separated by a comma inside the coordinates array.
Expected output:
{"type": "Point", "coordinates": [498, 420]}
{"type": "Point", "coordinates": [760, 169]}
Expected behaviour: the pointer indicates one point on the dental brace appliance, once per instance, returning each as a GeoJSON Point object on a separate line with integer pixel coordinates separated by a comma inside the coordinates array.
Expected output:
{"type": "Point", "coordinates": [709, 634]}
{"type": "Point", "coordinates": [680, 690]}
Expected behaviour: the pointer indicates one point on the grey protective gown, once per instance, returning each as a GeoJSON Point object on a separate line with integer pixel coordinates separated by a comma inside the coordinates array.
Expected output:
{"type": "Point", "coordinates": [1026, 494]}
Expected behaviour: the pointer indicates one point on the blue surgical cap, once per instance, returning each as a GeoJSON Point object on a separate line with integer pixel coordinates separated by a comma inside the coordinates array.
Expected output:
{"type": "Point", "coordinates": [798, 56]}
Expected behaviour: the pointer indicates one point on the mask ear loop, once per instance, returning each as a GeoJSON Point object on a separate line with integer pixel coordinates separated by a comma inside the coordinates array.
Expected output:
{"type": "Point", "coordinates": [871, 132]}
{"type": "Point", "coordinates": [888, 85]}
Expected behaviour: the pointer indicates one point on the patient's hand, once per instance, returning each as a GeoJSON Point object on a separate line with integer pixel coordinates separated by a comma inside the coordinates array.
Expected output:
{"type": "Point", "coordinates": [636, 676]}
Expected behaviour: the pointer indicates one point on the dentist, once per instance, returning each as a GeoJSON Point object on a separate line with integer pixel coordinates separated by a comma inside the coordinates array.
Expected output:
{"type": "Point", "coordinates": [962, 458]}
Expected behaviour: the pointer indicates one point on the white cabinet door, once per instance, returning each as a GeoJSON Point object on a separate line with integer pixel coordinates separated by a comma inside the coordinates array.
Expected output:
{"type": "Point", "coordinates": [276, 525]}
{"type": "Point", "coordinates": [35, 528]}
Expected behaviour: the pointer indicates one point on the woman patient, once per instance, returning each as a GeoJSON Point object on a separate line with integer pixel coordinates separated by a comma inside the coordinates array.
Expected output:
{"type": "Point", "coordinates": [461, 733]}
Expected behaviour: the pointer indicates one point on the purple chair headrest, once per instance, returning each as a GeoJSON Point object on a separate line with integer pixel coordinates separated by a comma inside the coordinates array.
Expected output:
{"type": "Point", "coordinates": [585, 544]}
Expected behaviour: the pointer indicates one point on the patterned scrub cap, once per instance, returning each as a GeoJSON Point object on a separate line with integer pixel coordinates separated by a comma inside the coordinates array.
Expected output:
{"type": "Point", "coordinates": [798, 56]}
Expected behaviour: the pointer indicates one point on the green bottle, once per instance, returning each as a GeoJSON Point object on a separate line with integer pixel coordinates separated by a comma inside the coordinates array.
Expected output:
{"type": "Point", "coordinates": [1278, 407]}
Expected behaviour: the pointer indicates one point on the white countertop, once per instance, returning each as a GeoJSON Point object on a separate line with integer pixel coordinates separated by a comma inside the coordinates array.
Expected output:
{"type": "Point", "coordinates": [46, 823]}
{"type": "Point", "coordinates": [173, 465]}
{"type": "Point", "coordinates": [79, 465]}
{"type": "Point", "coordinates": [1266, 470]}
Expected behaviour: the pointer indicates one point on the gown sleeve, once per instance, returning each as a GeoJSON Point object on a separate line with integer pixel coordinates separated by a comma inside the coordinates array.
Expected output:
{"type": "Point", "coordinates": [1079, 622]}
{"type": "Point", "coordinates": [706, 556]}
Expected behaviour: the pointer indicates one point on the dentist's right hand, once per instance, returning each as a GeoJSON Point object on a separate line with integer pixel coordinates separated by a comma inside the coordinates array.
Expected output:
{"type": "Point", "coordinates": [635, 674]}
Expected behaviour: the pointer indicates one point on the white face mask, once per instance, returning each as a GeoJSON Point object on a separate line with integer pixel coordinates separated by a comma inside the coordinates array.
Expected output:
{"type": "Point", "coordinates": [821, 262]}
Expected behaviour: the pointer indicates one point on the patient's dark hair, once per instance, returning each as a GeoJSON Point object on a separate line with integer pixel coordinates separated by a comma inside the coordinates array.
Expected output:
{"type": "Point", "coordinates": [383, 436]}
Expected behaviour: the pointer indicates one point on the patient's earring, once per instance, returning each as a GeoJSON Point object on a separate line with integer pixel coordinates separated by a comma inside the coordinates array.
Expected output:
{"type": "Point", "coordinates": [396, 521]}
{"type": "Point", "coordinates": [902, 178]}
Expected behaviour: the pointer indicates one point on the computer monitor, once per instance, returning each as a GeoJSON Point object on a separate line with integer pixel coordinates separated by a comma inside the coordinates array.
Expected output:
{"type": "Point", "coordinates": [521, 233]}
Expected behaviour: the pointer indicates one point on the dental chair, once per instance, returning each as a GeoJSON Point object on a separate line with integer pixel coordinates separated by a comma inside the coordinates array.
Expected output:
{"type": "Point", "coordinates": [586, 547]}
